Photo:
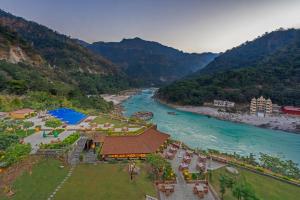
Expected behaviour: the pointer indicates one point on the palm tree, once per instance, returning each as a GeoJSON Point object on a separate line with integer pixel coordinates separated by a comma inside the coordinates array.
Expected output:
{"type": "Point", "coordinates": [238, 190]}
{"type": "Point", "coordinates": [222, 186]}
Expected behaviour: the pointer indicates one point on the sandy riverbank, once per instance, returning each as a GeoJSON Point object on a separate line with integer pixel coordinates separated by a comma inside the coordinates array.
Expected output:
{"type": "Point", "coordinates": [117, 99]}
{"type": "Point", "coordinates": [279, 122]}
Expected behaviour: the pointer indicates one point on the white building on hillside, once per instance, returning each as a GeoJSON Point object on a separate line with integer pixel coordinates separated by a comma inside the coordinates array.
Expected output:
{"type": "Point", "coordinates": [225, 104]}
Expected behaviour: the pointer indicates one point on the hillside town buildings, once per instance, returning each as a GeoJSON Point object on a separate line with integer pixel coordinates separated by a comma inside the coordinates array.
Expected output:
{"type": "Point", "coordinates": [261, 106]}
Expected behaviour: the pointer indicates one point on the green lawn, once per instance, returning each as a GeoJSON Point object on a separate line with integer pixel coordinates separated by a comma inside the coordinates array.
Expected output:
{"type": "Point", "coordinates": [106, 119]}
{"type": "Point", "coordinates": [23, 133]}
{"type": "Point", "coordinates": [45, 177]}
{"type": "Point", "coordinates": [265, 187]}
{"type": "Point", "coordinates": [105, 181]}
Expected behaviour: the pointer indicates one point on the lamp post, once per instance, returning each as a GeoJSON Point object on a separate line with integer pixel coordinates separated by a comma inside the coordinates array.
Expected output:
{"type": "Point", "coordinates": [131, 169]}
{"type": "Point", "coordinates": [93, 147]}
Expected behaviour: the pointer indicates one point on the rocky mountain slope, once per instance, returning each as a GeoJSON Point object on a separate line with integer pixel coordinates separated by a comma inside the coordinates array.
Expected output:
{"type": "Point", "coordinates": [64, 66]}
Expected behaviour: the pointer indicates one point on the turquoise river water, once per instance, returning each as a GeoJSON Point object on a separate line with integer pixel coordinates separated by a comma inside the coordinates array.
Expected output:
{"type": "Point", "coordinates": [203, 132]}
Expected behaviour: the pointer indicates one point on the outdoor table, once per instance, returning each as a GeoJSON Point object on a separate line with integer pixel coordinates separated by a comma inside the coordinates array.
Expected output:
{"type": "Point", "coordinates": [202, 158]}
{"type": "Point", "coordinates": [200, 166]}
{"type": "Point", "coordinates": [176, 145]}
{"type": "Point", "coordinates": [170, 155]}
{"type": "Point", "coordinates": [199, 188]}
{"type": "Point", "coordinates": [183, 166]}
{"type": "Point", "coordinates": [189, 153]}
{"type": "Point", "coordinates": [172, 149]}
{"type": "Point", "coordinates": [187, 159]}
{"type": "Point", "coordinates": [169, 187]}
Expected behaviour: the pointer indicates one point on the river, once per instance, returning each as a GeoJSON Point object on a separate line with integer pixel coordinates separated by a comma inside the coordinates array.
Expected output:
{"type": "Point", "coordinates": [199, 131]}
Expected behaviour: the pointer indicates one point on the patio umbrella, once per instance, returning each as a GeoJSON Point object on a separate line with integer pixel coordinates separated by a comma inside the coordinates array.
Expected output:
{"type": "Point", "coordinates": [44, 134]}
{"type": "Point", "coordinates": [55, 133]}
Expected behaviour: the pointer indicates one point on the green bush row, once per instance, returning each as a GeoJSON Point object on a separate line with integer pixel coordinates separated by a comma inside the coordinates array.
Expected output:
{"type": "Point", "coordinates": [59, 145]}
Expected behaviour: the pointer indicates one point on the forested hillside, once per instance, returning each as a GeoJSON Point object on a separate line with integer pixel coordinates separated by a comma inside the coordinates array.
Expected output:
{"type": "Point", "coordinates": [269, 66]}
{"type": "Point", "coordinates": [252, 53]}
{"type": "Point", "coordinates": [36, 60]}
{"type": "Point", "coordinates": [150, 63]}
{"type": "Point", "coordinates": [65, 59]}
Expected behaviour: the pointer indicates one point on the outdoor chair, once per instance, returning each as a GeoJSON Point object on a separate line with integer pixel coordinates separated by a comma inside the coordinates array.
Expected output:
{"type": "Point", "coordinates": [205, 189]}
{"type": "Point", "coordinates": [201, 195]}
{"type": "Point", "coordinates": [195, 190]}
{"type": "Point", "coordinates": [162, 188]}
{"type": "Point", "coordinates": [168, 192]}
{"type": "Point", "coordinates": [173, 189]}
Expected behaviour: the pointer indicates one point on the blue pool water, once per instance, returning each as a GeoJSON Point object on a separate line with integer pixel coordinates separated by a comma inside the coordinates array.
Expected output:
{"type": "Point", "coordinates": [67, 115]}
{"type": "Point", "coordinates": [203, 132]}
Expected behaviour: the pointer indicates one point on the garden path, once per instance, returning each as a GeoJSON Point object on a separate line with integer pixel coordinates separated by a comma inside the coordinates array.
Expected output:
{"type": "Point", "coordinates": [37, 138]}
{"type": "Point", "coordinates": [183, 190]}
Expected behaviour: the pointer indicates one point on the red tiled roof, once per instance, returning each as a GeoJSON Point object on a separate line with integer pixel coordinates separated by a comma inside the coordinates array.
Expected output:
{"type": "Point", "coordinates": [23, 111]}
{"type": "Point", "coordinates": [147, 142]}
{"type": "Point", "coordinates": [292, 108]}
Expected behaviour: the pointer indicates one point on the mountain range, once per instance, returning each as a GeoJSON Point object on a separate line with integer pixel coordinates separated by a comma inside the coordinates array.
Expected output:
{"type": "Point", "coordinates": [36, 58]}
{"type": "Point", "coordinates": [268, 66]}
{"type": "Point", "coordinates": [150, 63]}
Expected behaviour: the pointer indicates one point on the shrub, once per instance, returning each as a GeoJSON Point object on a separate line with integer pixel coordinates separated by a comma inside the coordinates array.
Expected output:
{"type": "Point", "coordinates": [59, 145]}
{"type": "Point", "coordinates": [6, 140]}
{"type": "Point", "coordinates": [53, 123]}
{"type": "Point", "coordinates": [14, 153]}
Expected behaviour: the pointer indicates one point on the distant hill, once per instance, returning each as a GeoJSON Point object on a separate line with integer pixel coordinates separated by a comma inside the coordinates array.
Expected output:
{"type": "Point", "coordinates": [59, 57]}
{"type": "Point", "coordinates": [151, 63]}
{"type": "Point", "coordinates": [268, 65]}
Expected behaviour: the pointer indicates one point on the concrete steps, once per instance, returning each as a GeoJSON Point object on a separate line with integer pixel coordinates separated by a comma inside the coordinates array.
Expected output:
{"type": "Point", "coordinates": [74, 155]}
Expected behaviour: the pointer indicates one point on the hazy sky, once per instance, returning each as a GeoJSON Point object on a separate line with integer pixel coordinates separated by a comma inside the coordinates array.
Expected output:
{"type": "Point", "coordinates": [189, 25]}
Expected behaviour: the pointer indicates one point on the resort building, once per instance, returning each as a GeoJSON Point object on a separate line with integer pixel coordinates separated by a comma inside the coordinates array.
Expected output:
{"type": "Point", "coordinates": [261, 106]}
{"type": "Point", "coordinates": [291, 110]}
{"type": "Point", "coordinates": [225, 104]}
{"type": "Point", "coordinates": [137, 146]}
{"type": "Point", "coordinates": [21, 114]}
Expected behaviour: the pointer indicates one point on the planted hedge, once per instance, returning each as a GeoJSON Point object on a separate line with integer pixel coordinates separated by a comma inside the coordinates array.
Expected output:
{"type": "Point", "coordinates": [59, 145]}
{"type": "Point", "coordinates": [14, 153]}
{"type": "Point", "coordinates": [53, 123]}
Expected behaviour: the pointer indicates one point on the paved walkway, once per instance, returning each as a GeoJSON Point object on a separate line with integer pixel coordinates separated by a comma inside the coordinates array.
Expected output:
{"type": "Point", "coordinates": [37, 138]}
{"type": "Point", "coordinates": [61, 183]}
{"type": "Point", "coordinates": [37, 122]}
{"type": "Point", "coordinates": [74, 154]}
{"type": "Point", "coordinates": [182, 190]}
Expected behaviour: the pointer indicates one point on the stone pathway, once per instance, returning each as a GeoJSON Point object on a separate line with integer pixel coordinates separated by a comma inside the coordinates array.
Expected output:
{"type": "Point", "coordinates": [182, 189]}
{"type": "Point", "coordinates": [61, 183]}
{"type": "Point", "coordinates": [74, 155]}
{"type": "Point", "coordinates": [36, 139]}
{"type": "Point", "coordinates": [90, 157]}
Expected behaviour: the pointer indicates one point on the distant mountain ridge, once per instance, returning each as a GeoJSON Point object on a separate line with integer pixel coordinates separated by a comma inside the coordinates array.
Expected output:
{"type": "Point", "coordinates": [151, 63]}
{"type": "Point", "coordinates": [252, 53]}
{"type": "Point", "coordinates": [268, 66]}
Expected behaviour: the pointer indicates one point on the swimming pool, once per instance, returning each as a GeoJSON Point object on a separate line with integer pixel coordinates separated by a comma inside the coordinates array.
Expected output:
{"type": "Point", "coordinates": [67, 115]}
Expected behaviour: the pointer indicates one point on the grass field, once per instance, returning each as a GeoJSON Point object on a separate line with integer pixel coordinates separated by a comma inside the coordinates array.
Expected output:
{"type": "Point", "coordinates": [265, 187]}
{"type": "Point", "coordinates": [105, 181]}
{"type": "Point", "coordinates": [105, 119]}
{"type": "Point", "coordinates": [45, 177]}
